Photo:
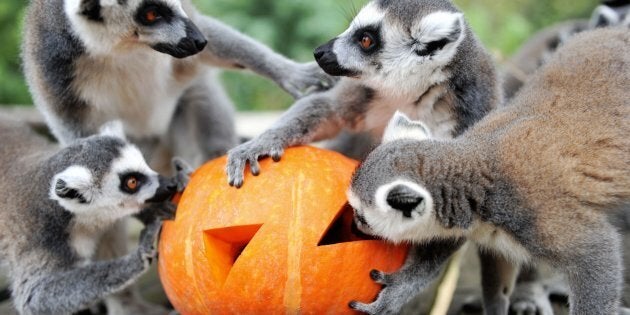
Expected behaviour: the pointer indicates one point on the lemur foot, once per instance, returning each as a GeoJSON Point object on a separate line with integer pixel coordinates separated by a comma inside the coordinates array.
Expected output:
{"type": "Point", "coordinates": [306, 78]}
{"type": "Point", "coordinates": [183, 171]}
{"type": "Point", "coordinates": [148, 239]}
{"type": "Point", "coordinates": [250, 152]}
{"type": "Point", "coordinates": [390, 300]}
{"type": "Point", "coordinates": [533, 298]}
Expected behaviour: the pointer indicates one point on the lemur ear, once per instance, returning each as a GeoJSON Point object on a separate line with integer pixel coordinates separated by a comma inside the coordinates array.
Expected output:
{"type": "Point", "coordinates": [400, 127]}
{"type": "Point", "coordinates": [437, 30]}
{"type": "Point", "coordinates": [113, 129]}
{"type": "Point", "coordinates": [604, 16]}
{"type": "Point", "coordinates": [73, 184]}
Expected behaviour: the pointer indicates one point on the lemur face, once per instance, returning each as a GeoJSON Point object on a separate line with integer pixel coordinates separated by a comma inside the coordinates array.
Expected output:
{"type": "Point", "coordinates": [107, 178]}
{"type": "Point", "coordinates": [392, 42]}
{"type": "Point", "coordinates": [105, 25]}
{"type": "Point", "coordinates": [387, 194]}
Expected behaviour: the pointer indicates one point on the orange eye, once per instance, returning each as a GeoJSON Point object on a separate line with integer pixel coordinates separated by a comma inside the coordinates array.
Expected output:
{"type": "Point", "coordinates": [132, 183]}
{"type": "Point", "coordinates": [367, 42]}
{"type": "Point", "coordinates": [151, 16]}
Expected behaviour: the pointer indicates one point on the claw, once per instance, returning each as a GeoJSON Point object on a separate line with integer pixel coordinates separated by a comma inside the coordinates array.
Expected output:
{"type": "Point", "coordinates": [377, 276]}
{"type": "Point", "coordinates": [361, 307]}
{"type": "Point", "coordinates": [254, 167]}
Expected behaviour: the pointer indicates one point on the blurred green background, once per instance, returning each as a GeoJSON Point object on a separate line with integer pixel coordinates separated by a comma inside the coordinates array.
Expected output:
{"type": "Point", "coordinates": [296, 27]}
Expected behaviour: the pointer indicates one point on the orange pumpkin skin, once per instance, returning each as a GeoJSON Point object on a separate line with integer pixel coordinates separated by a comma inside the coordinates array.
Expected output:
{"type": "Point", "coordinates": [256, 249]}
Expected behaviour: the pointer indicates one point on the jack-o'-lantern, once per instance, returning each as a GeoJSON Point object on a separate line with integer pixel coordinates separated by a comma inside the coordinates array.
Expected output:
{"type": "Point", "coordinates": [282, 243]}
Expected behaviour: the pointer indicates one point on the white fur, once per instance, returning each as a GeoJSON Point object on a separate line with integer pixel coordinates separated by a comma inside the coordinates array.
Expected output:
{"type": "Point", "coordinates": [607, 13]}
{"type": "Point", "coordinates": [401, 127]}
{"type": "Point", "coordinates": [437, 25]}
{"type": "Point", "coordinates": [114, 129]}
{"type": "Point", "coordinates": [492, 238]}
{"type": "Point", "coordinates": [78, 178]}
{"type": "Point", "coordinates": [391, 225]}
{"type": "Point", "coordinates": [143, 87]}
{"type": "Point", "coordinates": [369, 15]}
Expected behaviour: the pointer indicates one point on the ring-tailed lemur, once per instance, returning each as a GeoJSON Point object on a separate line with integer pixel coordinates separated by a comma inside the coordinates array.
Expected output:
{"type": "Point", "coordinates": [416, 56]}
{"type": "Point", "coordinates": [91, 61]}
{"type": "Point", "coordinates": [57, 203]}
{"type": "Point", "coordinates": [536, 51]}
{"type": "Point", "coordinates": [533, 181]}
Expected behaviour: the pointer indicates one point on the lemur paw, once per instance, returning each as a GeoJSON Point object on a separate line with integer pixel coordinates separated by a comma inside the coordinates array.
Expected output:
{"type": "Point", "coordinates": [390, 300]}
{"type": "Point", "coordinates": [306, 78]}
{"type": "Point", "coordinates": [531, 298]}
{"type": "Point", "coordinates": [157, 212]}
{"type": "Point", "coordinates": [250, 152]}
{"type": "Point", "coordinates": [182, 173]}
{"type": "Point", "coordinates": [148, 239]}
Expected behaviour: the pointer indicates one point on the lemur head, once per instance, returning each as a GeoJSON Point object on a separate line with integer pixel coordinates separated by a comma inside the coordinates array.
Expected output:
{"type": "Point", "coordinates": [105, 25]}
{"type": "Point", "coordinates": [105, 177]}
{"type": "Point", "coordinates": [393, 44]}
{"type": "Point", "coordinates": [611, 13]}
{"type": "Point", "coordinates": [387, 194]}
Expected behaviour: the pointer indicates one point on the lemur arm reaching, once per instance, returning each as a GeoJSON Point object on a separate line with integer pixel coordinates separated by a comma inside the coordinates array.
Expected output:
{"type": "Point", "coordinates": [75, 289]}
{"type": "Point", "coordinates": [229, 48]}
{"type": "Point", "coordinates": [423, 265]}
{"type": "Point", "coordinates": [316, 117]}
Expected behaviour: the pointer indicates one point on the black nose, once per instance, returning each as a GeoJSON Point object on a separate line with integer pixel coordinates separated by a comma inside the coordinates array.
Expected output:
{"type": "Point", "coordinates": [319, 53]}
{"type": "Point", "coordinates": [166, 190]}
{"type": "Point", "coordinates": [404, 199]}
{"type": "Point", "coordinates": [327, 60]}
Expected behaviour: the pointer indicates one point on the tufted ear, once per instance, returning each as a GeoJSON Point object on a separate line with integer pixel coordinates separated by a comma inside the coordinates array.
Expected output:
{"type": "Point", "coordinates": [73, 185]}
{"type": "Point", "coordinates": [401, 127]}
{"type": "Point", "coordinates": [437, 30]}
{"type": "Point", "coordinates": [113, 129]}
{"type": "Point", "coordinates": [604, 16]}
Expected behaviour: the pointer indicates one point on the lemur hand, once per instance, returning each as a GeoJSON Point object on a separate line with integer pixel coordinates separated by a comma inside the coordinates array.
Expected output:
{"type": "Point", "coordinates": [306, 78]}
{"type": "Point", "coordinates": [250, 152]}
{"type": "Point", "coordinates": [182, 173]}
{"type": "Point", "coordinates": [157, 212]}
{"type": "Point", "coordinates": [391, 299]}
{"type": "Point", "coordinates": [148, 239]}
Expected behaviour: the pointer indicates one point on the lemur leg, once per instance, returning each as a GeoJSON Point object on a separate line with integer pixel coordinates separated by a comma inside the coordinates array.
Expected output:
{"type": "Point", "coordinates": [595, 276]}
{"type": "Point", "coordinates": [423, 265]}
{"type": "Point", "coordinates": [203, 126]}
{"type": "Point", "coordinates": [309, 119]}
{"type": "Point", "coordinates": [497, 281]}
{"type": "Point", "coordinates": [229, 48]}
{"type": "Point", "coordinates": [70, 291]}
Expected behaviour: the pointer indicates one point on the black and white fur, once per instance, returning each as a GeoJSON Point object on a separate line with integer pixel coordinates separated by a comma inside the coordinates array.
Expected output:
{"type": "Point", "coordinates": [91, 61]}
{"type": "Point", "coordinates": [56, 205]}
{"type": "Point", "coordinates": [425, 61]}
{"type": "Point", "coordinates": [540, 48]}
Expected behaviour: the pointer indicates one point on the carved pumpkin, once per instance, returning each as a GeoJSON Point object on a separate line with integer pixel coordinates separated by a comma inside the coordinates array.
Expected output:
{"type": "Point", "coordinates": [281, 244]}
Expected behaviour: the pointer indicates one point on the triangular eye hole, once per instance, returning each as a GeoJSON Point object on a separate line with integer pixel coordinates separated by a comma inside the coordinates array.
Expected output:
{"type": "Point", "coordinates": [342, 229]}
{"type": "Point", "coordinates": [225, 245]}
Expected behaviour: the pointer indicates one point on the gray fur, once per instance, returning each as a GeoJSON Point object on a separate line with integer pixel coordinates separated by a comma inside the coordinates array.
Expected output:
{"type": "Point", "coordinates": [49, 273]}
{"type": "Point", "coordinates": [423, 266]}
{"type": "Point", "coordinates": [535, 181]}
{"type": "Point", "coordinates": [374, 86]}
{"type": "Point", "coordinates": [537, 51]}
